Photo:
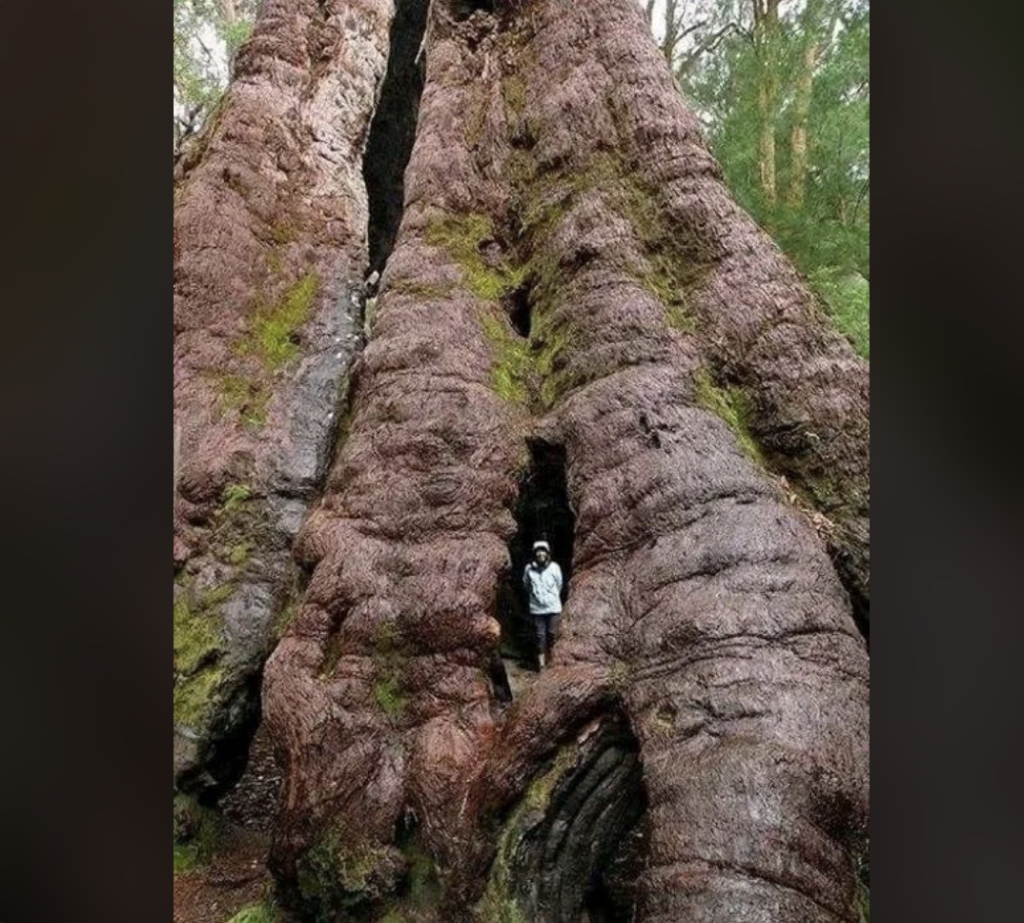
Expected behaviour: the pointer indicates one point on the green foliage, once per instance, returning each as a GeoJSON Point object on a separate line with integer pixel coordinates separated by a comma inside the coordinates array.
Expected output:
{"type": "Point", "coordinates": [846, 299]}
{"type": "Point", "coordinates": [826, 232]}
{"type": "Point", "coordinates": [207, 34]}
{"type": "Point", "coordinates": [263, 912]}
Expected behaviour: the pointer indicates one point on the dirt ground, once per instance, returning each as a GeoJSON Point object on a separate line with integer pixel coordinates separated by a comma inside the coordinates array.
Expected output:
{"type": "Point", "coordinates": [234, 875]}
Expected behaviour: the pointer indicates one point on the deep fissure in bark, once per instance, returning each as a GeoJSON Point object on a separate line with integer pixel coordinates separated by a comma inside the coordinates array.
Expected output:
{"type": "Point", "coordinates": [587, 850]}
{"type": "Point", "coordinates": [861, 605]}
{"type": "Point", "coordinates": [393, 130]}
{"type": "Point", "coordinates": [542, 512]}
{"type": "Point", "coordinates": [519, 311]}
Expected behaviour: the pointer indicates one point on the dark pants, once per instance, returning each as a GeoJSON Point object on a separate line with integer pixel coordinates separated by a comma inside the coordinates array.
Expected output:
{"type": "Point", "coordinates": [546, 626]}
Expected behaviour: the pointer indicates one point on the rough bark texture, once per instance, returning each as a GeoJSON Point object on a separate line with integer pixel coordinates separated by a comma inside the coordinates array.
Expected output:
{"type": "Point", "coordinates": [699, 749]}
{"type": "Point", "coordinates": [269, 258]}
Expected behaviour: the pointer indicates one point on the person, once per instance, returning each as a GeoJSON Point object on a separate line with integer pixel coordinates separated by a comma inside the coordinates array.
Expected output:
{"type": "Point", "coordinates": [542, 579]}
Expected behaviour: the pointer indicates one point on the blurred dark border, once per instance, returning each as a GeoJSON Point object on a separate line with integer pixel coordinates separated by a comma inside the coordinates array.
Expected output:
{"type": "Point", "coordinates": [87, 453]}
{"type": "Point", "coordinates": [947, 388]}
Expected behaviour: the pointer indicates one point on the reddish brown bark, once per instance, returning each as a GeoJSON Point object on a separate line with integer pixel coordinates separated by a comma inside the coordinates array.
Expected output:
{"type": "Point", "coordinates": [709, 698]}
{"type": "Point", "coordinates": [269, 257]}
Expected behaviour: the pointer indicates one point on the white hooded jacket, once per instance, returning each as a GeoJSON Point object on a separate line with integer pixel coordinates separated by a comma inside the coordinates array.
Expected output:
{"type": "Point", "coordinates": [544, 586]}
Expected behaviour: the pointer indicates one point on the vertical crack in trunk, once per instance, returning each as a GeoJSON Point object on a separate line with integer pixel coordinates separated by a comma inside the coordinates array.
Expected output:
{"type": "Point", "coordinates": [393, 130]}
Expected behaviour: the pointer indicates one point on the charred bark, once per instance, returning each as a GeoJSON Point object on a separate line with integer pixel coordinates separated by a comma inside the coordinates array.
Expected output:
{"type": "Point", "coordinates": [572, 290]}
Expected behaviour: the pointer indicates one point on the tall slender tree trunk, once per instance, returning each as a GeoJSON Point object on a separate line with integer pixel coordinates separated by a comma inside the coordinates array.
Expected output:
{"type": "Point", "coordinates": [766, 23]}
{"type": "Point", "coordinates": [672, 31]}
{"type": "Point", "coordinates": [815, 33]}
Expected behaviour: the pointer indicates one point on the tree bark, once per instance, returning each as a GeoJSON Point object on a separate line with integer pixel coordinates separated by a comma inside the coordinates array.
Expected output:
{"type": "Point", "coordinates": [815, 33]}
{"type": "Point", "coordinates": [699, 749]}
{"type": "Point", "coordinates": [766, 24]}
{"type": "Point", "coordinates": [269, 257]}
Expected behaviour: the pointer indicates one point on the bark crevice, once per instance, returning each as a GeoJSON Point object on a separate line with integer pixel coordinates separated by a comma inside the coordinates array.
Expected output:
{"type": "Point", "coordinates": [575, 844]}
{"type": "Point", "coordinates": [393, 130]}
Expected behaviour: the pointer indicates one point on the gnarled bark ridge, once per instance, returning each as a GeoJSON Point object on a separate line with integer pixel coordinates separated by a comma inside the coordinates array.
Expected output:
{"type": "Point", "coordinates": [699, 749]}
{"type": "Point", "coordinates": [269, 257]}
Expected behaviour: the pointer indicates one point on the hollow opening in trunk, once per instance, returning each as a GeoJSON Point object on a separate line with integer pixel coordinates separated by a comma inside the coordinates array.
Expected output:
{"type": "Point", "coordinates": [519, 311]}
{"type": "Point", "coordinates": [577, 854]}
{"type": "Point", "coordinates": [463, 9]}
{"type": "Point", "coordinates": [393, 130]}
{"type": "Point", "coordinates": [542, 512]}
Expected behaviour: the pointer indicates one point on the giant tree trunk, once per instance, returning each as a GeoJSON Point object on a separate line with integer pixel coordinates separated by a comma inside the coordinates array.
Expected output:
{"type": "Point", "coordinates": [269, 258]}
{"type": "Point", "coordinates": [577, 330]}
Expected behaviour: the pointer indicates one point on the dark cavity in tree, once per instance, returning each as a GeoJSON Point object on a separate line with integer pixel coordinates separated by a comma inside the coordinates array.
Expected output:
{"type": "Point", "coordinates": [227, 757]}
{"type": "Point", "coordinates": [393, 130]}
{"type": "Point", "coordinates": [589, 848]}
{"type": "Point", "coordinates": [519, 311]}
{"type": "Point", "coordinates": [861, 606]}
{"type": "Point", "coordinates": [542, 511]}
{"type": "Point", "coordinates": [463, 9]}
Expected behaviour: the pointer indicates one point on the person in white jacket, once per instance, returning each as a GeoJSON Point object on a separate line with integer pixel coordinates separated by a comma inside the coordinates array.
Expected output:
{"type": "Point", "coordinates": [542, 580]}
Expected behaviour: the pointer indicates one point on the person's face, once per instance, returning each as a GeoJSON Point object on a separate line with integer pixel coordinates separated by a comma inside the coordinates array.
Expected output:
{"type": "Point", "coordinates": [541, 556]}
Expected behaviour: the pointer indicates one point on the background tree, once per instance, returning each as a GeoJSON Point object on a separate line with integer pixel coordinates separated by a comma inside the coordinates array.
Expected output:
{"type": "Point", "coordinates": [782, 89]}
{"type": "Point", "coordinates": [207, 34]}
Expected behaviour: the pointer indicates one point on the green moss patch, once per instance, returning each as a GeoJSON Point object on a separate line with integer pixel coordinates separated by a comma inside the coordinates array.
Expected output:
{"type": "Point", "coordinates": [197, 655]}
{"type": "Point", "coordinates": [513, 364]}
{"type": "Point", "coordinates": [428, 291]}
{"type": "Point", "coordinates": [245, 396]}
{"type": "Point", "coordinates": [271, 336]}
{"type": "Point", "coordinates": [263, 912]}
{"type": "Point", "coordinates": [198, 833]}
{"type": "Point", "coordinates": [333, 877]}
{"type": "Point", "coordinates": [731, 405]}
{"type": "Point", "coordinates": [462, 237]}
{"type": "Point", "coordinates": [513, 91]}
{"type": "Point", "coordinates": [387, 693]}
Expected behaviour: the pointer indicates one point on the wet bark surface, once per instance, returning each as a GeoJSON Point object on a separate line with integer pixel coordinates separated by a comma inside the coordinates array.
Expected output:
{"type": "Point", "coordinates": [570, 273]}
{"type": "Point", "coordinates": [269, 257]}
